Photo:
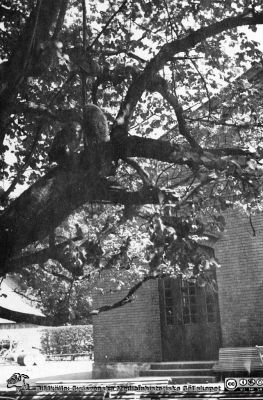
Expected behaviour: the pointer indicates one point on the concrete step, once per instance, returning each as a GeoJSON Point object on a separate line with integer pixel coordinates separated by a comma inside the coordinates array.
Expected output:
{"type": "Point", "coordinates": [183, 372]}
{"type": "Point", "coordinates": [176, 372]}
{"type": "Point", "coordinates": [183, 365]}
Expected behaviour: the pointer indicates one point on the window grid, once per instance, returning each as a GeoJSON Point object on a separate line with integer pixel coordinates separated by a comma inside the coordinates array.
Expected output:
{"type": "Point", "coordinates": [189, 302]}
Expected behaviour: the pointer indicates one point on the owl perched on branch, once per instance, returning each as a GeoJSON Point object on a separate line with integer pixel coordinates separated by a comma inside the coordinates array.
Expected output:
{"type": "Point", "coordinates": [95, 133]}
{"type": "Point", "coordinates": [96, 136]}
{"type": "Point", "coordinates": [96, 128]}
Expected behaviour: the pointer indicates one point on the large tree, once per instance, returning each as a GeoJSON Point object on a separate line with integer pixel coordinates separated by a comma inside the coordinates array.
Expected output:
{"type": "Point", "coordinates": [185, 136]}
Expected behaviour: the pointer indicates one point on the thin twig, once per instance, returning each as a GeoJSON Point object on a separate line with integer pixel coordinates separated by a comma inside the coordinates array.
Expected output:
{"type": "Point", "coordinates": [206, 88]}
{"type": "Point", "coordinates": [194, 190]}
{"type": "Point", "coordinates": [169, 20]}
{"type": "Point", "coordinates": [140, 171]}
{"type": "Point", "coordinates": [163, 88]}
{"type": "Point", "coordinates": [128, 53]}
{"type": "Point", "coordinates": [107, 24]}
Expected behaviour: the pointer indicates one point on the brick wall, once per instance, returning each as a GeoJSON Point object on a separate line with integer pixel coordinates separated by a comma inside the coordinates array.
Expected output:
{"type": "Point", "coordinates": [129, 333]}
{"type": "Point", "coordinates": [132, 333]}
{"type": "Point", "coordinates": [240, 281]}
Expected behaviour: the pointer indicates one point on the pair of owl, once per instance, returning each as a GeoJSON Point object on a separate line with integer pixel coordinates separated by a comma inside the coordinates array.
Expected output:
{"type": "Point", "coordinates": [67, 142]}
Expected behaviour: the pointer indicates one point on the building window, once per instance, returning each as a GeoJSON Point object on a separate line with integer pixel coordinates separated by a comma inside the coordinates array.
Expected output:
{"type": "Point", "coordinates": [189, 302]}
{"type": "Point", "coordinates": [168, 300]}
{"type": "Point", "coordinates": [186, 302]}
{"type": "Point", "coordinates": [211, 312]}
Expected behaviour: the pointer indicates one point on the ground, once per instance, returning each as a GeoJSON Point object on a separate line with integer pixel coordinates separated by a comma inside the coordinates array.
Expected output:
{"type": "Point", "coordinates": [82, 370]}
{"type": "Point", "coordinates": [50, 369]}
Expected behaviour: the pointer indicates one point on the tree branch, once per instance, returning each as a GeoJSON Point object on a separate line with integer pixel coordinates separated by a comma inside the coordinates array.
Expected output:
{"type": "Point", "coordinates": [107, 24]}
{"type": "Point", "coordinates": [84, 47]}
{"type": "Point", "coordinates": [39, 257]}
{"type": "Point", "coordinates": [61, 17]}
{"type": "Point", "coordinates": [109, 52]}
{"type": "Point", "coordinates": [223, 123]}
{"type": "Point", "coordinates": [136, 146]}
{"type": "Point", "coordinates": [27, 297]}
{"type": "Point", "coordinates": [140, 171]}
{"type": "Point", "coordinates": [126, 299]}
{"type": "Point", "coordinates": [166, 54]}
{"type": "Point", "coordinates": [195, 190]}
{"type": "Point", "coordinates": [30, 45]}
{"type": "Point", "coordinates": [30, 217]}
{"type": "Point", "coordinates": [161, 150]}
{"type": "Point", "coordinates": [160, 85]}
{"type": "Point", "coordinates": [205, 85]}
{"type": "Point", "coordinates": [26, 55]}
{"type": "Point", "coordinates": [57, 274]}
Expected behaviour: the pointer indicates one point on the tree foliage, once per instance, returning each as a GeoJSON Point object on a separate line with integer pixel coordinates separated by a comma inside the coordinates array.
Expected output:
{"type": "Point", "coordinates": [185, 140]}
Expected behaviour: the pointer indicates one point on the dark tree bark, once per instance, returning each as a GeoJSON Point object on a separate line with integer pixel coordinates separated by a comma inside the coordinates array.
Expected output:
{"type": "Point", "coordinates": [25, 59]}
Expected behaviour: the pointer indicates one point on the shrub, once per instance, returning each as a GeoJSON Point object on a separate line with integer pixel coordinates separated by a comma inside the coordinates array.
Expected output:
{"type": "Point", "coordinates": [67, 339]}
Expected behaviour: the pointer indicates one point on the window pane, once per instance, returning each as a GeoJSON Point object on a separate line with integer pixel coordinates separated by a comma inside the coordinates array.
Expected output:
{"type": "Point", "coordinates": [167, 283]}
{"type": "Point", "coordinates": [168, 293]}
{"type": "Point", "coordinates": [192, 300]}
{"type": "Point", "coordinates": [189, 302]}
{"type": "Point", "coordinates": [186, 319]}
{"type": "Point", "coordinates": [193, 309]}
{"type": "Point", "coordinates": [169, 302]}
{"type": "Point", "coordinates": [210, 308]}
{"type": "Point", "coordinates": [192, 290]}
{"type": "Point", "coordinates": [211, 317]}
{"type": "Point", "coordinates": [194, 318]}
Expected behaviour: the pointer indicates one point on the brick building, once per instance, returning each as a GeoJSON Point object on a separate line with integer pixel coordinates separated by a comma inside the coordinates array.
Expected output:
{"type": "Point", "coordinates": [176, 321]}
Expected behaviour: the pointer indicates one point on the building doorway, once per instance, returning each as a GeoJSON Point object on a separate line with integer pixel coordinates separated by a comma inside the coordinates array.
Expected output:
{"type": "Point", "coordinates": [190, 323]}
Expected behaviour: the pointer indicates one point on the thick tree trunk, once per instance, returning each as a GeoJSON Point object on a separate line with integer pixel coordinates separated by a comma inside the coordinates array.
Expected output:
{"type": "Point", "coordinates": [45, 19]}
